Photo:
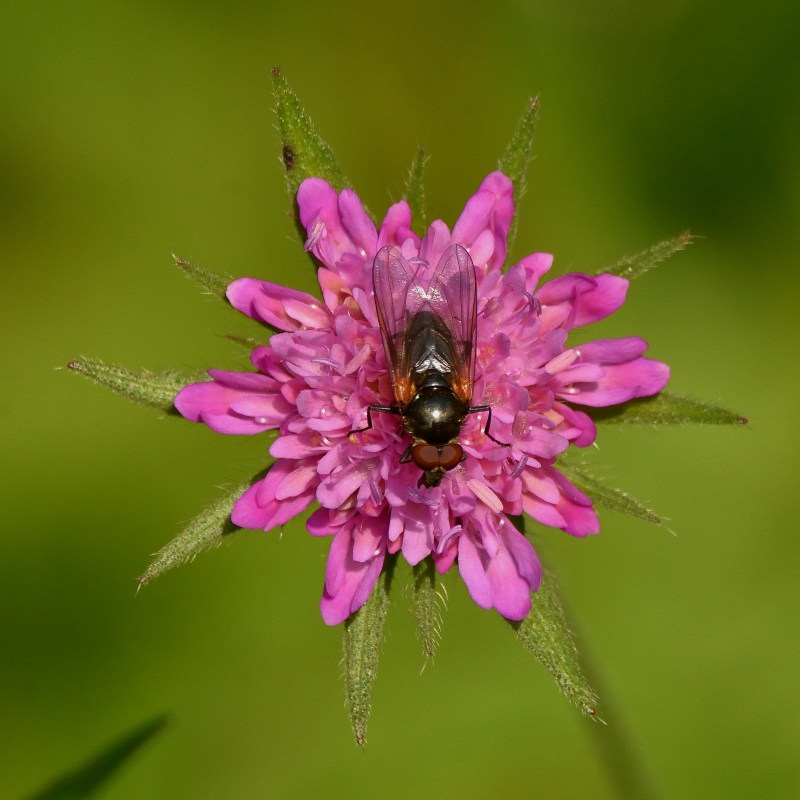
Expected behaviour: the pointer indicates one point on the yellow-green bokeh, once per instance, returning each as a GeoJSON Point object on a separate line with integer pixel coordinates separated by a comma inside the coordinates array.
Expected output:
{"type": "Point", "coordinates": [131, 131]}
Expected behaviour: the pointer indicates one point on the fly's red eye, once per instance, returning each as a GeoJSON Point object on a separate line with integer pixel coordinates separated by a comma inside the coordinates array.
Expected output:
{"type": "Point", "coordinates": [428, 456]}
{"type": "Point", "coordinates": [450, 456]}
{"type": "Point", "coordinates": [425, 456]}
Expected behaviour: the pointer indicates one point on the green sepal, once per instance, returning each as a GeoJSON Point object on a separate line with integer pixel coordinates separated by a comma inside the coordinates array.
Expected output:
{"type": "Point", "coordinates": [546, 635]}
{"type": "Point", "coordinates": [607, 496]}
{"type": "Point", "coordinates": [415, 191]}
{"type": "Point", "coordinates": [633, 266]}
{"type": "Point", "coordinates": [517, 158]}
{"type": "Point", "coordinates": [427, 604]}
{"type": "Point", "coordinates": [209, 282]}
{"type": "Point", "coordinates": [304, 154]}
{"type": "Point", "coordinates": [205, 531]}
{"type": "Point", "coordinates": [246, 342]}
{"type": "Point", "coordinates": [154, 389]}
{"type": "Point", "coordinates": [363, 639]}
{"type": "Point", "coordinates": [665, 408]}
{"type": "Point", "coordinates": [87, 779]}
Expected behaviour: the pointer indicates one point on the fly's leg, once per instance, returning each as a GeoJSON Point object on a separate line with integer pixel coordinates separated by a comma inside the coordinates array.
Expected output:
{"type": "Point", "coordinates": [370, 408]}
{"type": "Point", "coordinates": [488, 409]}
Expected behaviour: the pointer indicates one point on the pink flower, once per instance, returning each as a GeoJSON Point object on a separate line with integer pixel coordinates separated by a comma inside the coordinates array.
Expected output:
{"type": "Point", "coordinates": [316, 378]}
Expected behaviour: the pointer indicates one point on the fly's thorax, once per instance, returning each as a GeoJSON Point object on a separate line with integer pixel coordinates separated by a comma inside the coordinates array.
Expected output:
{"type": "Point", "coordinates": [436, 413]}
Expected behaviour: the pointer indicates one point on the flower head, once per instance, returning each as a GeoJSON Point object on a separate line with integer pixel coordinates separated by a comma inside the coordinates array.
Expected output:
{"type": "Point", "coordinates": [317, 377]}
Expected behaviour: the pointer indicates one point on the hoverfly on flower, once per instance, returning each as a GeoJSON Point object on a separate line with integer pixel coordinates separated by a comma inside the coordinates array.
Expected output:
{"type": "Point", "coordinates": [428, 326]}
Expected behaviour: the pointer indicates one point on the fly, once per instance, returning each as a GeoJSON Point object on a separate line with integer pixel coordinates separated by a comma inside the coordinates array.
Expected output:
{"type": "Point", "coordinates": [429, 335]}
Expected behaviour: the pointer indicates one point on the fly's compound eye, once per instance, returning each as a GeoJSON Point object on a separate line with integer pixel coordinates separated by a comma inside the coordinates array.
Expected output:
{"type": "Point", "coordinates": [425, 456]}
{"type": "Point", "coordinates": [428, 456]}
{"type": "Point", "coordinates": [451, 455]}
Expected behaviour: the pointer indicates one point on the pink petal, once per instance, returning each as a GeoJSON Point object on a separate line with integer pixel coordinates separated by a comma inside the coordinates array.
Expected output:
{"type": "Point", "coordinates": [297, 482]}
{"type": "Point", "coordinates": [505, 581]}
{"type": "Point", "coordinates": [258, 507]}
{"type": "Point", "coordinates": [269, 409]}
{"type": "Point", "coordinates": [641, 377]}
{"type": "Point", "coordinates": [367, 538]}
{"type": "Point", "coordinates": [318, 204]}
{"type": "Point", "coordinates": [245, 381]}
{"type": "Point", "coordinates": [536, 265]}
{"type": "Point", "coordinates": [591, 298]}
{"type": "Point", "coordinates": [433, 244]}
{"type": "Point", "coordinates": [417, 535]}
{"type": "Point", "coordinates": [539, 483]}
{"type": "Point", "coordinates": [333, 491]}
{"type": "Point", "coordinates": [521, 550]}
{"type": "Point", "coordinates": [582, 430]}
{"type": "Point", "coordinates": [511, 589]}
{"type": "Point", "coordinates": [279, 306]}
{"type": "Point", "coordinates": [357, 223]}
{"type": "Point", "coordinates": [324, 522]}
{"type": "Point", "coordinates": [612, 351]}
{"type": "Point", "coordinates": [293, 446]}
{"type": "Point", "coordinates": [348, 583]}
{"type": "Point", "coordinates": [573, 512]}
{"type": "Point", "coordinates": [473, 572]}
{"type": "Point", "coordinates": [211, 402]}
{"type": "Point", "coordinates": [490, 209]}
{"type": "Point", "coordinates": [396, 227]}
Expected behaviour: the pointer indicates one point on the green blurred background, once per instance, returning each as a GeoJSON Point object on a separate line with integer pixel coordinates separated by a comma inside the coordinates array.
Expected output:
{"type": "Point", "coordinates": [131, 131]}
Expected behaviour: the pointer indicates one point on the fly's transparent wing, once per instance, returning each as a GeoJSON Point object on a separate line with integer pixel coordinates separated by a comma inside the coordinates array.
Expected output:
{"type": "Point", "coordinates": [452, 296]}
{"type": "Point", "coordinates": [416, 314]}
{"type": "Point", "coordinates": [396, 288]}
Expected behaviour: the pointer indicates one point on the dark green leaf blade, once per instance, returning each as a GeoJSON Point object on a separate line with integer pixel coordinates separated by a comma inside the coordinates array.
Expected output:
{"type": "Point", "coordinates": [415, 191]}
{"type": "Point", "coordinates": [427, 602]}
{"type": "Point", "coordinates": [607, 496]}
{"type": "Point", "coordinates": [633, 266]}
{"type": "Point", "coordinates": [363, 639]}
{"type": "Point", "coordinates": [517, 158]}
{"type": "Point", "coordinates": [205, 531]}
{"type": "Point", "coordinates": [154, 389]}
{"type": "Point", "coordinates": [545, 634]}
{"type": "Point", "coordinates": [88, 778]}
{"type": "Point", "coordinates": [665, 408]}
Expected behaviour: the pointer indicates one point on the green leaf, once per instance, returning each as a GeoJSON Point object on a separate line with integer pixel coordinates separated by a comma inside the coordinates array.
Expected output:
{"type": "Point", "coordinates": [154, 389]}
{"type": "Point", "coordinates": [209, 282]}
{"type": "Point", "coordinates": [305, 154]}
{"type": "Point", "coordinates": [517, 158]}
{"type": "Point", "coordinates": [427, 603]}
{"type": "Point", "coordinates": [205, 531]}
{"type": "Point", "coordinates": [546, 635]}
{"type": "Point", "coordinates": [91, 776]}
{"type": "Point", "coordinates": [665, 408]}
{"type": "Point", "coordinates": [633, 266]}
{"type": "Point", "coordinates": [363, 639]}
{"type": "Point", "coordinates": [607, 496]}
{"type": "Point", "coordinates": [415, 191]}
